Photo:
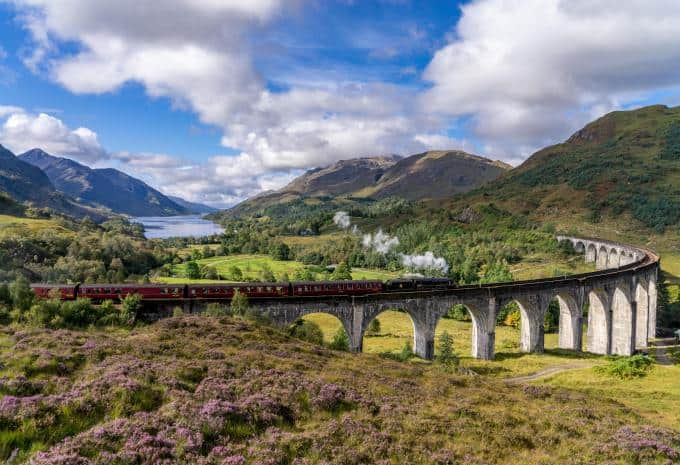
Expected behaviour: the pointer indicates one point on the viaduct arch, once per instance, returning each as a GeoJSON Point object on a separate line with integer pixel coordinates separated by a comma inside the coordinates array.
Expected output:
{"type": "Point", "coordinates": [621, 296]}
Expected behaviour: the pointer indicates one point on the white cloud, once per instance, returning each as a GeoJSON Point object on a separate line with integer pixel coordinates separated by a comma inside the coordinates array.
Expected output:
{"type": "Point", "coordinates": [200, 55]}
{"type": "Point", "coordinates": [526, 73]}
{"type": "Point", "coordinates": [23, 131]}
{"type": "Point", "coordinates": [531, 71]}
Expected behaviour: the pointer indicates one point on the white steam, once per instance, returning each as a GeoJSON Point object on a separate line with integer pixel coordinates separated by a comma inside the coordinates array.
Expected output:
{"type": "Point", "coordinates": [342, 219]}
{"type": "Point", "coordinates": [383, 243]}
{"type": "Point", "coordinates": [427, 261]}
{"type": "Point", "coordinates": [380, 242]}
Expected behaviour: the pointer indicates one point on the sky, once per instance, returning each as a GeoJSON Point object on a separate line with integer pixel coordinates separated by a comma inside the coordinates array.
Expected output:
{"type": "Point", "coordinates": [217, 100]}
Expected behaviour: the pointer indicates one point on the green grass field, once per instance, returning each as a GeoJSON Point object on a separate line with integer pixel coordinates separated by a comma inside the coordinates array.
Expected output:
{"type": "Point", "coordinates": [656, 396]}
{"type": "Point", "coordinates": [12, 225]}
{"type": "Point", "coordinates": [252, 265]}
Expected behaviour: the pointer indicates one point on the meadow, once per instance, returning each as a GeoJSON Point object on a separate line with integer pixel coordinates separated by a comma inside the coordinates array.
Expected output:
{"type": "Point", "coordinates": [252, 267]}
{"type": "Point", "coordinates": [215, 391]}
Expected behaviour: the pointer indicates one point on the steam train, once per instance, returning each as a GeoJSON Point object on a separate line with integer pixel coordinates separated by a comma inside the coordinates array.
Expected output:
{"type": "Point", "coordinates": [101, 292]}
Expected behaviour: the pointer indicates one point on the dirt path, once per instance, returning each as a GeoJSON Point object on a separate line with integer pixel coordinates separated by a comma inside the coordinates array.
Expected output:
{"type": "Point", "coordinates": [662, 357]}
{"type": "Point", "coordinates": [548, 372]}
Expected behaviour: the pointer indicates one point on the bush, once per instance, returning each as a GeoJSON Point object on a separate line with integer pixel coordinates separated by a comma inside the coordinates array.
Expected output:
{"type": "Point", "coordinates": [131, 305]}
{"type": "Point", "coordinates": [21, 294]}
{"type": "Point", "coordinates": [374, 328]}
{"type": "Point", "coordinates": [307, 331]}
{"type": "Point", "coordinates": [340, 340]}
{"type": "Point", "coordinates": [217, 310]}
{"type": "Point", "coordinates": [177, 312]}
{"type": "Point", "coordinates": [636, 366]}
{"type": "Point", "coordinates": [193, 271]}
{"type": "Point", "coordinates": [239, 303]}
{"type": "Point", "coordinates": [447, 357]}
{"type": "Point", "coordinates": [458, 312]}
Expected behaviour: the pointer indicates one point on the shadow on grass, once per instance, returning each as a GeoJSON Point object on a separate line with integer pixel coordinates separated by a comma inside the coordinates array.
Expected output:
{"type": "Point", "coordinates": [564, 353]}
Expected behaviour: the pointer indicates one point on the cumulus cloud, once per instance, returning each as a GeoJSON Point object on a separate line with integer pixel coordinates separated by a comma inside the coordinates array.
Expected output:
{"type": "Point", "coordinates": [520, 74]}
{"type": "Point", "coordinates": [200, 55]}
{"type": "Point", "coordinates": [529, 72]}
{"type": "Point", "coordinates": [23, 131]}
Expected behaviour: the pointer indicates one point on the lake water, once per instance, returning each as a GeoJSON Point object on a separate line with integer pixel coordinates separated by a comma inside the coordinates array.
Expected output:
{"type": "Point", "coordinates": [161, 227]}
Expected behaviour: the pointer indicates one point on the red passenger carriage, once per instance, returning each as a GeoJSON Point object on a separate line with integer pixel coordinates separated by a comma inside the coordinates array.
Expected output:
{"type": "Point", "coordinates": [322, 288]}
{"type": "Point", "coordinates": [99, 292]}
{"type": "Point", "coordinates": [226, 291]}
{"type": "Point", "coordinates": [64, 291]}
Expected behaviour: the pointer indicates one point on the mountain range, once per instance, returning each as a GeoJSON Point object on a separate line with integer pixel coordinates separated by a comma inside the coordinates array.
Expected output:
{"type": "Point", "coordinates": [432, 175]}
{"type": "Point", "coordinates": [66, 186]}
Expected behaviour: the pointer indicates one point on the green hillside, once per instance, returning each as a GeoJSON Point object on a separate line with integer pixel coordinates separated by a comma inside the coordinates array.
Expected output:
{"type": "Point", "coordinates": [617, 176]}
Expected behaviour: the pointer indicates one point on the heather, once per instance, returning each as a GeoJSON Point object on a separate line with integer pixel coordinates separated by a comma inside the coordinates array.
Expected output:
{"type": "Point", "coordinates": [221, 390]}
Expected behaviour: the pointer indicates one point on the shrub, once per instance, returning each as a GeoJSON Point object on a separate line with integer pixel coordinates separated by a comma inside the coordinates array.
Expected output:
{"type": "Point", "coordinates": [131, 305]}
{"type": "Point", "coordinates": [177, 312]}
{"type": "Point", "coordinates": [307, 331]}
{"type": "Point", "coordinates": [217, 310]}
{"type": "Point", "coordinates": [21, 293]}
{"type": "Point", "coordinates": [636, 366]}
{"type": "Point", "coordinates": [340, 340]}
{"type": "Point", "coordinates": [374, 328]}
{"type": "Point", "coordinates": [193, 271]}
{"type": "Point", "coordinates": [458, 312]}
{"type": "Point", "coordinates": [76, 313]}
{"type": "Point", "coordinates": [447, 356]}
{"type": "Point", "coordinates": [239, 303]}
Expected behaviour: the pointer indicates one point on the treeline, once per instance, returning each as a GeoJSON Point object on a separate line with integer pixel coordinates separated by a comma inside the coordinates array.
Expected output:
{"type": "Point", "coordinates": [81, 252]}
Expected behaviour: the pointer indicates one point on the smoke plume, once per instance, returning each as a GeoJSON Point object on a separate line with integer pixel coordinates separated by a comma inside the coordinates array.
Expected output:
{"type": "Point", "coordinates": [383, 243]}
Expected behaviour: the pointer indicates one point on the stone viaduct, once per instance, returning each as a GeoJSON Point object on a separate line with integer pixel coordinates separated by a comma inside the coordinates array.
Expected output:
{"type": "Point", "coordinates": [619, 300]}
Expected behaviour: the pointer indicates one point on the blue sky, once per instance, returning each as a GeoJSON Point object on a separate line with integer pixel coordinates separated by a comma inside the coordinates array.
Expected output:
{"type": "Point", "coordinates": [216, 100]}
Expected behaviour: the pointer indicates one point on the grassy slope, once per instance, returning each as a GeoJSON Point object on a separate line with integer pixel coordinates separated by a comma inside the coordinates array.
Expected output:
{"type": "Point", "coordinates": [314, 405]}
{"type": "Point", "coordinates": [602, 168]}
{"type": "Point", "coordinates": [12, 225]}
{"type": "Point", "coordinates": [252, 265]}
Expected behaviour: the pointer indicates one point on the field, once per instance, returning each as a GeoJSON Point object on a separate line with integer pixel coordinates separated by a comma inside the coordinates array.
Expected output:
{"type": "Point", "coordinates": [12, 225]}
{"type": "Point", "coordinates": [656, 396]}
{"type": "Point", "coordinates": [252, 266]}
{"type": "Point", "coordinates": [217, 391]}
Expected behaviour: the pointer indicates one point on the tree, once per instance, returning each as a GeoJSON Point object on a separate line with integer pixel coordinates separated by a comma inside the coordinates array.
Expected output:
{"type": "Point", "coordinates": [266, 274]}
{"type": "Point", "coordinates": [406, 352]}
{"type": "Point", "coordinates": [131, 304]}
{"type": "Point", "coordinates": [307, 331]}
{"type": "Point", "coordinates": [239, 303]}
{"type": "Point", "coordinates": [280, 251]}
{"type": "Point", "coordinates": [374, 327]}
{"type": "Point", "coordinates": [21, 293]}
{"type": "Point", "coordinates": [340, 340]}
{"type": "Point", "coordinates": [193, 271]}
{"type": "Point", "coordinates": [447, 356]}
{"type": "Point", "coordinates": [235, 273]}
{"type": "Point", "coordinates": [342, 272]}
{"type": "Point", "coordinates": [303, 274]}
{"type": "Point", "coordinates": [210, 272]}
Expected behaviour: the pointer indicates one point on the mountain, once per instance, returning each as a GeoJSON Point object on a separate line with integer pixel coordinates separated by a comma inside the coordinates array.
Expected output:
{"type": "Point", "coordinates": [107, 188]}
{"type": "Point", "coordinates": [192, 207]}
{"type": "Point", "coordinates": [618, 175]}
{"type": "Point", "coordinates": [428, 175]}
{"type": "Point", "coordinates": [24, 183]}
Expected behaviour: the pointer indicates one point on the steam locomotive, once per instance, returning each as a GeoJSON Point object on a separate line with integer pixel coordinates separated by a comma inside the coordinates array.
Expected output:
{"type": "Point", "coordinates": [101, 292]}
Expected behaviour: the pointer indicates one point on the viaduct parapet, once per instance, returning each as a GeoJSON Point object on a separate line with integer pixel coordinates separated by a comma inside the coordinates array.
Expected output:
{"type": "Point", "coordinates": [617, 303]}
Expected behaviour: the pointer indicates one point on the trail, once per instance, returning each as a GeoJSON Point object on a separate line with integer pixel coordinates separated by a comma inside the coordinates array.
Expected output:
{"type": "Point", "coordinates": [546, 372]}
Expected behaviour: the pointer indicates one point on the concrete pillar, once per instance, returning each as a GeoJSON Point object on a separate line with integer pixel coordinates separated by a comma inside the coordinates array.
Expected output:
{"type": "Point", "coordinates": [423, 340]}
{"type": "Point", "coordinates": [623, 322]}
{"type": "Point", "coordinates": [599, 323]}
{"type": "Point", "coordinates": [571, 322]}
{"type": "Point", "coordinates": [484, 329]}
{"type": "Point", "coordinates": [591, 253]}
{"type": "Point", "coordinates": [602, 258]}
{"type": "Point", "coordinates": [532, 331]}
{"type": "Point", "coordinates": [355, 328]}
{"type": "Point", "coordinates": [642, 320]}
{"type": "Point", "coordinates": [652, 293]}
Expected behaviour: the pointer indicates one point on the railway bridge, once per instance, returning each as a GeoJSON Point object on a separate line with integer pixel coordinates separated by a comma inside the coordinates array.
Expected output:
{"type": "Point", "coordinates": [619, 299]}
